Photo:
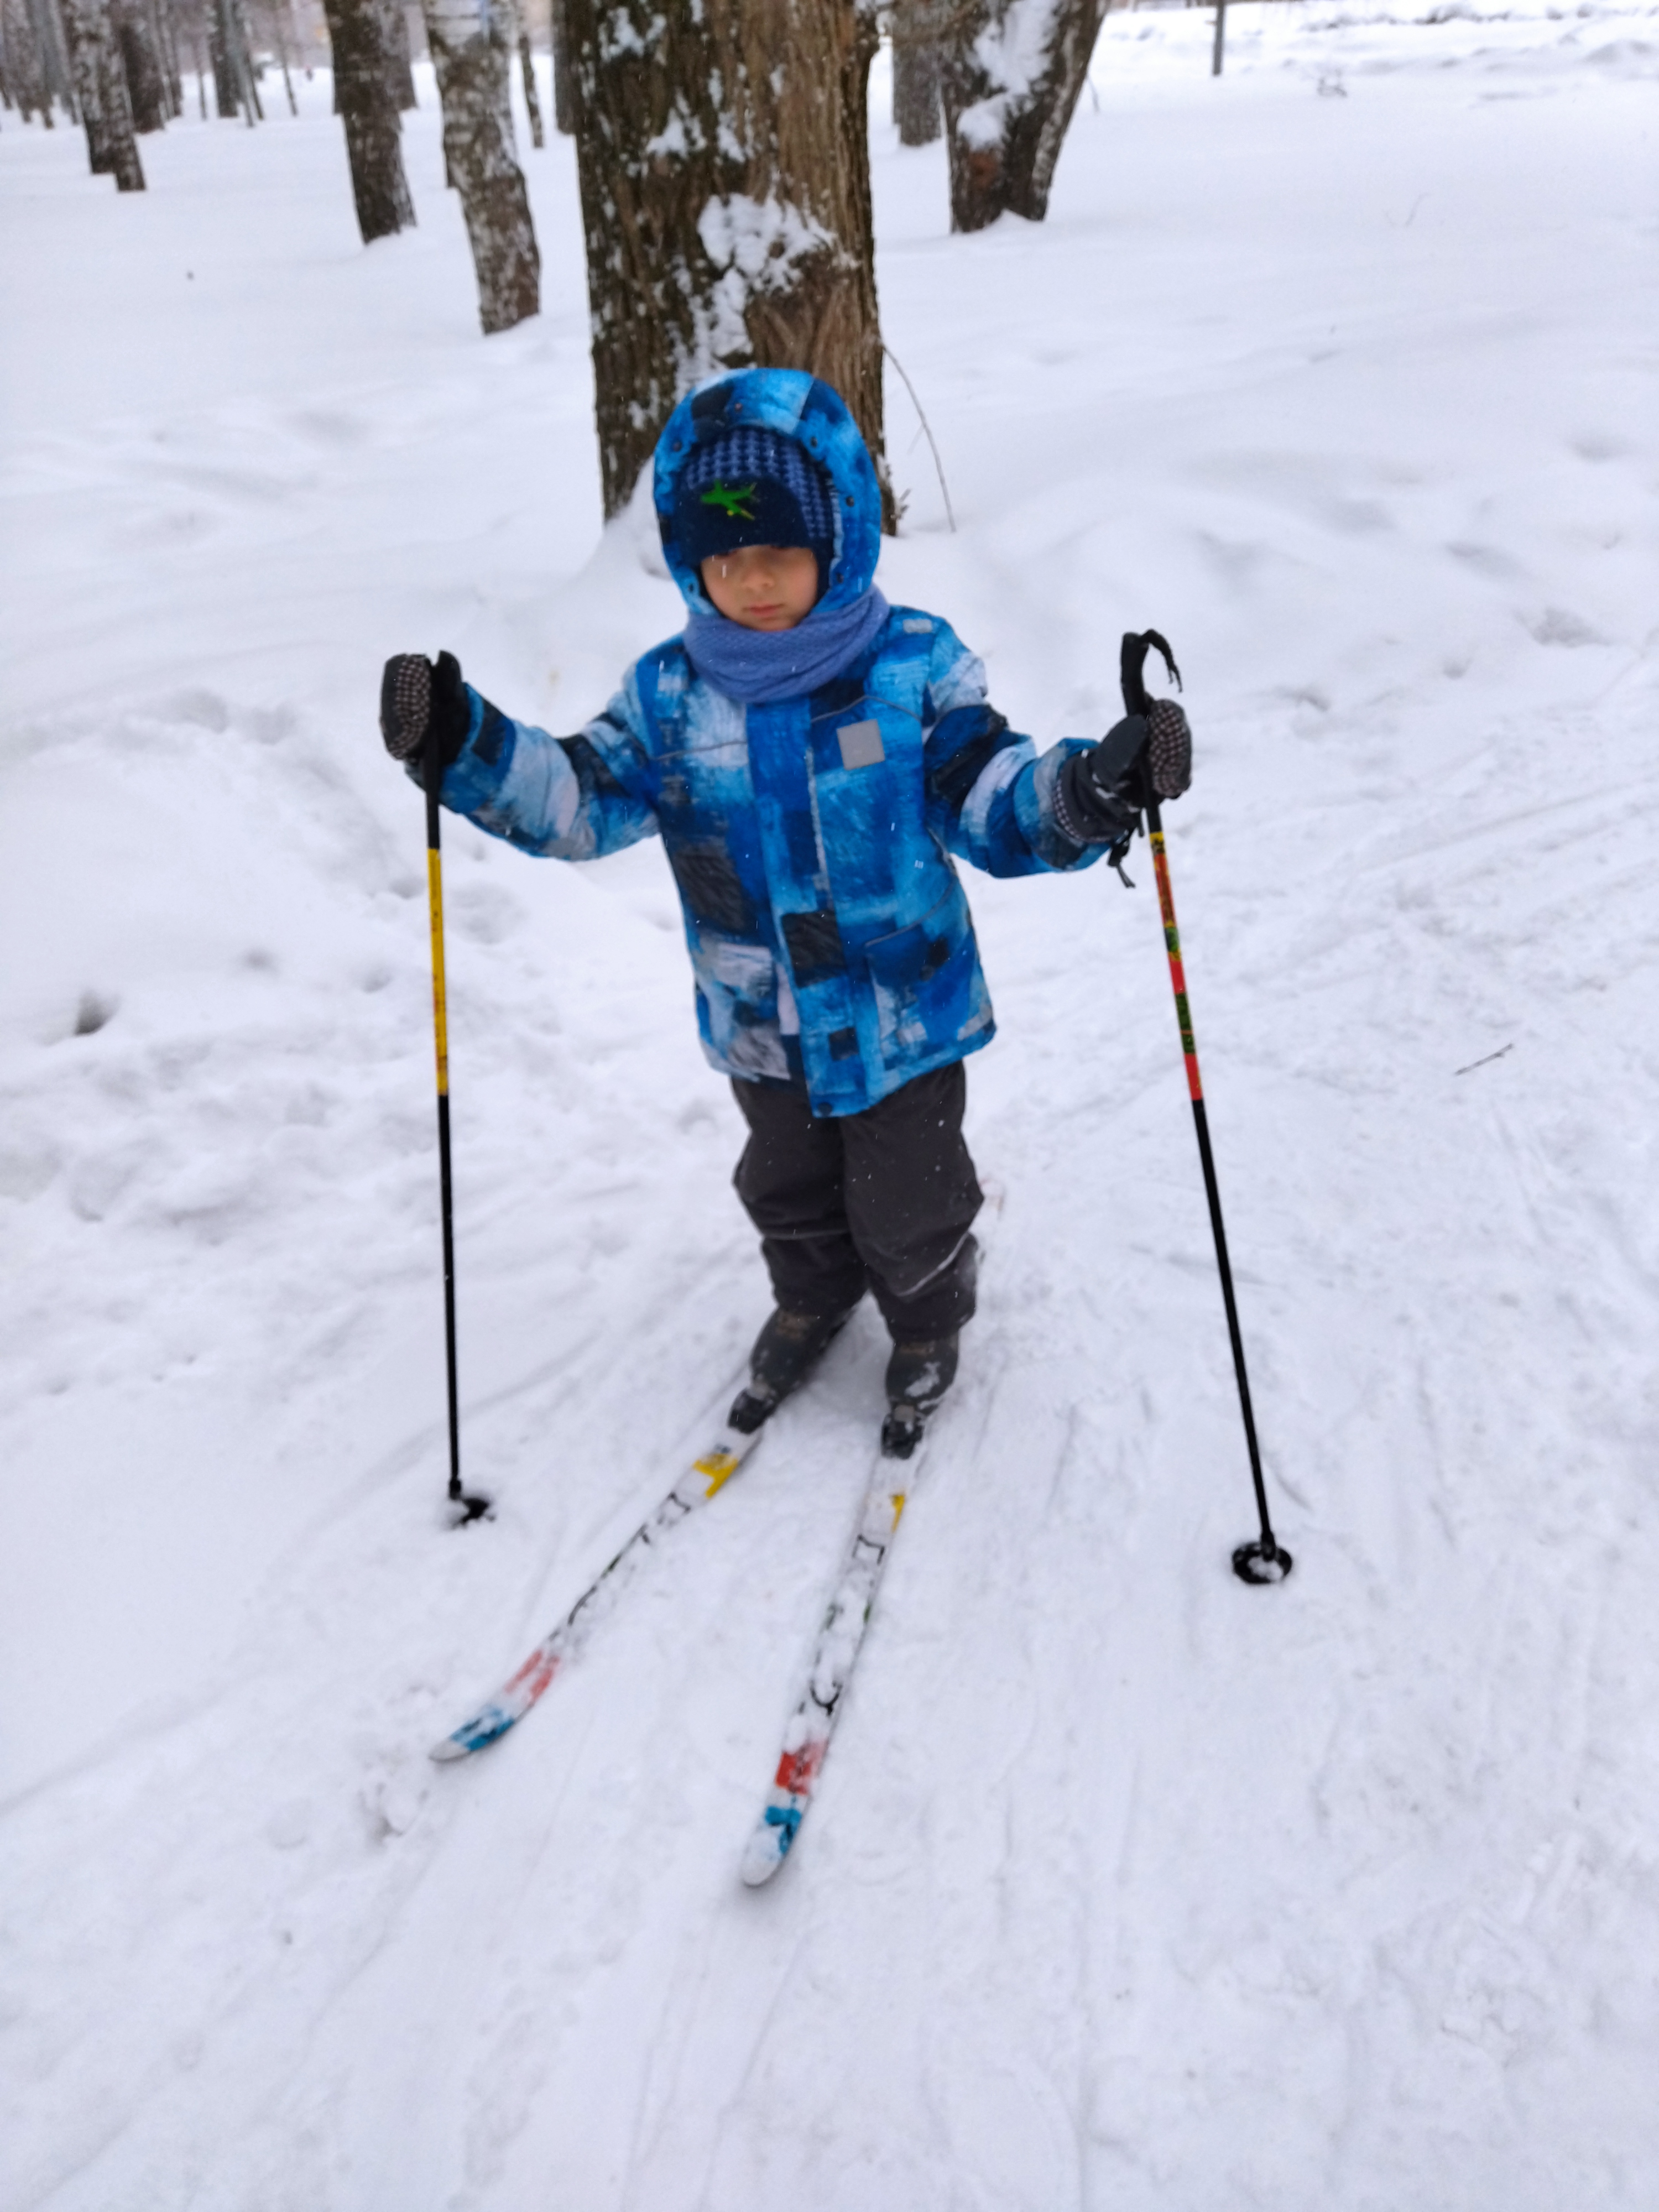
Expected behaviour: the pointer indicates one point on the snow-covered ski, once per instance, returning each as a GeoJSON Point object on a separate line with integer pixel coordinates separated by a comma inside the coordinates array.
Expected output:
{"type": "Point", "coordinates": [710, 1471]}
{"type": "Point", "coordinates": [806, 1739]}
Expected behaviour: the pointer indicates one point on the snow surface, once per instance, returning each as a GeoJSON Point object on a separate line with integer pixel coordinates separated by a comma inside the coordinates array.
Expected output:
{"type": "Point", "coordinates": [1129, 1888]}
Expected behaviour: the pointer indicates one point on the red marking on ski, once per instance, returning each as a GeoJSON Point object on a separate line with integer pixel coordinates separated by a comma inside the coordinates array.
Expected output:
{"type": "Point", "coordinates": [798, 1770]}
{"type": "Point", "coordinates": [537, 1672]}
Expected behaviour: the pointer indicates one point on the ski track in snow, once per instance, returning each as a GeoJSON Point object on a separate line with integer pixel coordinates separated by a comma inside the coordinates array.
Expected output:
{"type": "Point", "coordinates": [1127, 1888]}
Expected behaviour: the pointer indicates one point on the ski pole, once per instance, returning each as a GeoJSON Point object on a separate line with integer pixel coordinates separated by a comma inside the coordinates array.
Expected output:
{"type": "Point", "coordinates": [469, 1505]}
{"type": "Point", "coordinates": [1264, 1560]}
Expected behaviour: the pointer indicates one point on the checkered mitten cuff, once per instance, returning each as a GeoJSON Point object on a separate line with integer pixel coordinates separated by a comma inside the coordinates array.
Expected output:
{"type": "Point", "coordinates": [405, 704]}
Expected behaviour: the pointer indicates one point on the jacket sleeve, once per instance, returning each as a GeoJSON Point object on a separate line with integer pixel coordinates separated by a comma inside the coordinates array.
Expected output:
{"type": "Point", "coordinates": [990, 794]}
{"type": "Point", "coordinates": [564, 799]}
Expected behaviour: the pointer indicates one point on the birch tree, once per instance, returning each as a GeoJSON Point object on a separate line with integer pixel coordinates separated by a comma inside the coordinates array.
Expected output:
{"type": "Point", "coordinates": [140, 46]}
{"type": "Point", "coordinates": [1013, 69]}
{"type": "Point", "coordinates": [27, 86]}
{"type": "Point", "coordinates": [725, 176]}
{"type": "Point", "coordinates": [470, 52]}
{"type": "Point", "coordinates": [100, 94]}
{"type": "Point", "coordinates": [366, 83]}
{"type": "Point", "coordinates": [37, 54]}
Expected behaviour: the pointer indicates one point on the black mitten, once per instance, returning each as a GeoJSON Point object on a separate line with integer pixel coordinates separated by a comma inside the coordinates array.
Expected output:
{"type": "Point", "coordinates": [418, 700]}
{"type": "Point", "coordinates": [1100, 794]}
{"type": "Point", "coordinates": [1089, 814]}
{"type": "Point", "coordinates": [1169, 749]}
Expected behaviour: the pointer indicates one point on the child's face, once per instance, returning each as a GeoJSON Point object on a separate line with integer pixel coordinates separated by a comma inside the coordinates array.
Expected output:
{"type": "Point", "coordinates": [764, 587]}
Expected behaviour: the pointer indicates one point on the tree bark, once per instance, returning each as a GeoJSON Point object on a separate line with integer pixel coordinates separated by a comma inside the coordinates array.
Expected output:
{"type": "Point", "coordinates": [469, 51]}
{"type": "Point", "coordinates": [399, 55]}
{"type": "Point", "coordinates": [725, 199]}
{"type": "Point", "coordinates": [564, 82]}
{"type": "Point", "coordinates": [917, 68]}
{"type": "Point", "coordinates": [51, 48]}
{"type": "Point", "coordinates": [531, 97]}
{"type": "Point", "coordinates": [1013, 69]}
{"type": "Point", "coordinates": [26, 86]}
{"type": "Point", "coordinates": [165, 32]}
{"type": "Point", "coordinates": [226, 103]}
{"type": "Point", "coordinates": [234, 90]}
{"type": "Point", "coordinates": [100, 87]}
{"type": "Point", "coordinates": [141, 59]}
{"type": "Point", "coordinates": [366, 100]}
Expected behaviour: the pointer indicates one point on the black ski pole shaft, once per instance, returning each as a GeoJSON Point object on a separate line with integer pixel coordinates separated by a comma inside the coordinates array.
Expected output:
{"type": "Point", "coordinates": [1264, 1560]}
{"type": "Point", "coordinates": [469, 1506]}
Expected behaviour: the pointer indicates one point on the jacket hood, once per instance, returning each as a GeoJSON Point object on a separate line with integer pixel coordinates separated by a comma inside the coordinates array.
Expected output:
{"type": "Point", "coordinates": [797, 406]}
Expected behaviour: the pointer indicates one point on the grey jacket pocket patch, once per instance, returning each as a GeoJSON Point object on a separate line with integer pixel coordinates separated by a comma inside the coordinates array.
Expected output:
{"type": "Point", "coordinates": [860, 745]}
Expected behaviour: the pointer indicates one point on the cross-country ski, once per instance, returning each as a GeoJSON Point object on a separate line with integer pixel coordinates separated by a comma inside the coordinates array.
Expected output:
{"type": "Point", "coordinates": [710, 1474]}
{"type": "Point", "coordinates": [807, 1737]}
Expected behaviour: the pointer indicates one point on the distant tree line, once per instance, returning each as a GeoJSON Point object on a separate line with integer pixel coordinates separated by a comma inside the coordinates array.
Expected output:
{"type": "Point", "coordinates": [722, 147]}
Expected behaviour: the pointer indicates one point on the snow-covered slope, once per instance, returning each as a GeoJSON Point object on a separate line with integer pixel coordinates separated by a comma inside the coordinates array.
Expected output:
{"type": "Point", "coordinates": [1129, 1887]}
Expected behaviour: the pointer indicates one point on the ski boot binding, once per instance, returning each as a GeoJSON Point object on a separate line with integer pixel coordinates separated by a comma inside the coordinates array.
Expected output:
{"type": "Point", "coordinates": [786, 1351]}
{"type": "Point", "coordinates": [918, 1377]}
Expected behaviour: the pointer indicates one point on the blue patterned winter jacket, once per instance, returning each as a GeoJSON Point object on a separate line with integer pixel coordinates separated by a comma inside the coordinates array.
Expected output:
{"type": "Point", "coordinates": [813, 841]}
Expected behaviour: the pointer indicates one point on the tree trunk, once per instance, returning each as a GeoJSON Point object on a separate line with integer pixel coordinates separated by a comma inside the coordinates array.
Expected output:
{"type": "Point", "coordinates": [471, 53]}
{"type": "Point", "coordinates": [101, 86]}
{"type": "Point", "coordinates": [725, 199]}
{"type": "Point", "coordinates": [165, 32]}
{"type": "Point", "coordinates": [241, 54]}
{"type": "Point", "coordinates": [531, 97]}
{"type": "Point", "coordinates": [564, 82]}
{"type": "Point", "coordinates": [51, 45]}
{"type": "Point", "coordinates": [917, 68]}
{"type": "Point", "coordinates": [225, 101]}
{"type": "Point", "coordinates": [399, 55]}
{"type": "Point", "coordinates": [26, 86]}
{"type": "Point", "coordinates": [366, 100]}
{"type": "Point", "coordinates": [147, 91]}
{"type": "Point", "coordinates": [1013, 69]}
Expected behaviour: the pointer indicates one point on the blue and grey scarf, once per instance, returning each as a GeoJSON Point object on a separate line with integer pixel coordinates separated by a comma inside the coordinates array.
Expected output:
{"type": "Point", "coordinates": [759, 666]}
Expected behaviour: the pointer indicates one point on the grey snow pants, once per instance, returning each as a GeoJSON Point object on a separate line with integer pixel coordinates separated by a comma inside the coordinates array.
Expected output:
{"type": "Point", "coordinates": [883, 1200]}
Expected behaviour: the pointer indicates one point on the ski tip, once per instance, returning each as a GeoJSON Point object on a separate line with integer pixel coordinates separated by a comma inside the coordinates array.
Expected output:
{"type": "Point", "coordinates": [768, 1846]}
{"type": "Point", "coordinates": [472, 1735]}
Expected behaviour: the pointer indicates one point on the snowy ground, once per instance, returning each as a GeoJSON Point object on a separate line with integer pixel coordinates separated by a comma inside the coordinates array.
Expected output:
{"type": "Point", "coordinates": [1129, 1887]}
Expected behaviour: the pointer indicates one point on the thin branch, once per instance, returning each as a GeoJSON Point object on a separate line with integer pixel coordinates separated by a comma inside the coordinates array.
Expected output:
{"type": "Point", "coordinates": [950, 512]}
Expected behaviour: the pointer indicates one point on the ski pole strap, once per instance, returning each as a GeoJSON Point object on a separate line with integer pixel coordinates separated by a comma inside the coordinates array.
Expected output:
{"type": "Point", "coordinates": [1132, 662]}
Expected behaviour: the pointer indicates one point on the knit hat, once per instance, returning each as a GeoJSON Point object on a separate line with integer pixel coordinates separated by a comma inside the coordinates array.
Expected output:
{"type": "Point", "coordinates": [753, 486]}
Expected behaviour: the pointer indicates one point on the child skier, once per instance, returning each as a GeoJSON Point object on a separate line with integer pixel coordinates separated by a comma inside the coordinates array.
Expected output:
{"type": "Point", "coordinates": [812, 758]}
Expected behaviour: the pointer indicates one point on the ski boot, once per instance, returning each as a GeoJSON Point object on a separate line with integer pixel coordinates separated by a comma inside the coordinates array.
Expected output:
{"type": "Point", "coordinates": [918, 1377]}
{"type": "Point", "coordinates": [786, 1351]}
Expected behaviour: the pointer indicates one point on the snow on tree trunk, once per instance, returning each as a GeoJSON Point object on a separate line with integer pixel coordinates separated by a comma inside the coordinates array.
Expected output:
{"type": "Point", "coordinates": [725, 199]}
{"type": "Point", "coordinates": [1013, 69]}
{"type": "Point", "coordinates": [100, 87]}
{"type": "Point", "coordinates": [361, 32]}
{"type": "Point", "coordinates": [141, 58]}
{"type": "Point", "coordinates": [917, 65]}
{"type": "Point", "coordinates": [470, 52]}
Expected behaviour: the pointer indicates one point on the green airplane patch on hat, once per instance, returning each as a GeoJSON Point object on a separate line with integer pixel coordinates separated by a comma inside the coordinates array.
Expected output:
{"type": "Point", "coordinates": [733, 500]}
